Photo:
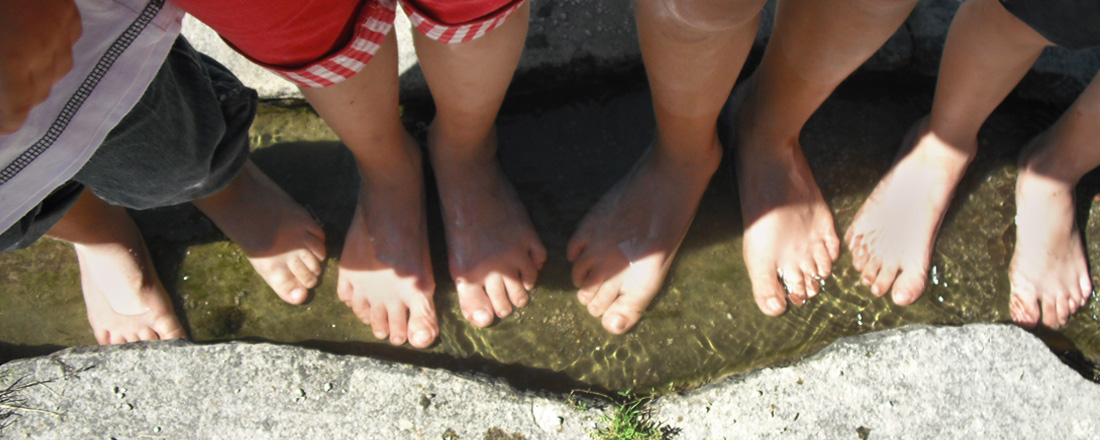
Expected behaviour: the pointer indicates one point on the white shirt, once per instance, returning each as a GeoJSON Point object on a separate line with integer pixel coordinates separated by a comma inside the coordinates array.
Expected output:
{"type": "Point", "coordinates": [123, 44]}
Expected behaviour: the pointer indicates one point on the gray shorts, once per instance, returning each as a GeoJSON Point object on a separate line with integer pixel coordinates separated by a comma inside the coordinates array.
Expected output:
{"type": "Point", "coordinates": [186, 139]}
{"type": "Point", "coordinates": [1072, 24]}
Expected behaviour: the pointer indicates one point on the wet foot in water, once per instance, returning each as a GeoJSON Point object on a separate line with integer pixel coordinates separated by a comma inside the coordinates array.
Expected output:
{"type": "Point", "coordinates": [894, 232]}
{"type": "Point", "coordinates": [1049, 273]}
{"type": "Point", "coordinates": [493, 251]}
{"type": "Point", "coordinates": [282, 241]}
{"type": "Point", "coordinates": [385, 269]}
{"type": "Point", "coordinates": [623, 248]}
{"type": "Point", "coordinates": [126, 301]}
{"type": "Point", "coordinates": [790, 242]}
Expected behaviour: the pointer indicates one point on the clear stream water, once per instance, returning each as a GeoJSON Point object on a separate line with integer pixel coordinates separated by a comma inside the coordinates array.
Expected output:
{"type": "Point", "coordinates": [563, 150]}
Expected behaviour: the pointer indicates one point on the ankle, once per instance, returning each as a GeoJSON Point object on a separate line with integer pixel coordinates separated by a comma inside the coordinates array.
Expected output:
{"type": "Point", "coordinates": [402, 167]}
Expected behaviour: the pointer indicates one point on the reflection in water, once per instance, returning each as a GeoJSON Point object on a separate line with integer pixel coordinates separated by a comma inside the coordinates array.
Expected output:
{"type": "Point", "coordinates": [562, 157]}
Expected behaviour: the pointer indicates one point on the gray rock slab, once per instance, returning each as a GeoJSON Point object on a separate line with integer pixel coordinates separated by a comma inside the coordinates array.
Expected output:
{"type": "Point", "coordinates": [263, 391]}
{"type": "Point", "coordinates": [976, 381]}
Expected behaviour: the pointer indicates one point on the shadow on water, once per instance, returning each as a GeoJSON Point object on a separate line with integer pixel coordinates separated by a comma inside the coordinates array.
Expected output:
{"type": "Point", "coordinates": [563, 151]}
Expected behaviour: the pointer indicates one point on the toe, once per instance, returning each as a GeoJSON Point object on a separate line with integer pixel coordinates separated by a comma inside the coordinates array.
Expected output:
{"type": "Point", "coordinates": [1024, 310]}
{"type": "Point", "coordinates": [618, 322]}
{"type": "Point", "coordinates": [870, 272]}
{"type": "Point", "coordinates": [885, 279]}
{"type": "Point", "coordinates": [1050, 314]}
{"type": "Point", "coordinates": [795, 283]}
{"type": "Point", "coordinates": [498, 295]}
{"type": "Point", "coordinates": [147, 334]}
{"type": "Point", "coordinates": [608, 292]}
{"type": "Point", "coordinates": [306, 278]}
{"type": "Point", "coordinates": [423, 325]}
{"type": "Point", "coordinates": [475, 305]}
{"type": "Point", "coordinates": [832, 244]}
{"type": "Point", "coordinates": [379, 322]}
{"type": "Point", "coordinates": [116, 338]}
{"type": "Point", "coordinates": [860, 255]}
{"type": "Point", "coordinates": [312, 263]}
{"type": "Point", "coordinates": [1086, 289]}
{"type": "Point", "coordinates": [285, 284]}
{"type": "Point", "coordinates": [517, 293]}
{"type": "Point", "coordinates": [528, 275]}
{"type": "Point", "coordinates": [398, 316]}
{"type": "Point", "coordinates": [582, 271]}
{"type": "Point", "coordinates": [823, 264]}
{"type": "Point", "coordinates": [768, 293]}
{"type": "Point", "coordinates": [102, 337]}
{"type": "Point", "coordinates": [575, 247]}
{"type": "Point", "coordinates": [537, 252]}
{"type": "Point", "coordinates": [909, 286]}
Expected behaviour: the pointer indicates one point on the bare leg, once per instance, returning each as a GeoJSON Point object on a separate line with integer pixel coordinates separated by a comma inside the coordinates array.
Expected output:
{"type": "Point", "coordinates": [789, 232]}
{"type": "Point", "coordinates": [385, 271]}
{"type": "Point", "coordinates": [125, 299]}
{"type": "Point", "coordinates": [493, 250]}
{"type": "Point", "coordinates": [622, 250]}
{"type": "Point", "coordinates": [281, 240]}
{"type": "Point", "coordinates": [988, 51]}
{"type": "Point", "coordinates": [1049, 274]}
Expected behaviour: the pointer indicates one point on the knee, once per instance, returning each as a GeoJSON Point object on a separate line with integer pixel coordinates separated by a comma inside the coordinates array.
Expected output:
{"type": "Point", "coordinates": [706, 15]}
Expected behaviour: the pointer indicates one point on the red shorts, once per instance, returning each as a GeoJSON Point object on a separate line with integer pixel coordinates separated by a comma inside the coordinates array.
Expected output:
{"type": "Point", "coordinates": [317, 43]}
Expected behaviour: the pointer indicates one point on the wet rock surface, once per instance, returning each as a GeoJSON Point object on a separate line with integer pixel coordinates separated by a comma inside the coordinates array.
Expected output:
{"type": "Point", "coordinates": [976, 381]}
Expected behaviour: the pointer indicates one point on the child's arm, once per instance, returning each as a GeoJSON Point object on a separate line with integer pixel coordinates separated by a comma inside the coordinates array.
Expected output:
{"type": "Point", "coordinates": [36, 41]}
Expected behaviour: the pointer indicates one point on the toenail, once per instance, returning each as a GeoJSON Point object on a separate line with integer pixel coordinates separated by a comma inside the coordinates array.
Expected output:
{"type": "Point", "coordinates": [875, 290]}
{"type": "Point", "coordinates": [521, 302]}
{"type": "Point", "coordinates": [503, 313]}
{"type": "Point", "coordinates": [482, 317]}
{"type": "Point", "coordinates": [773, 305]}
{"type": "Point", "coordinates": [380, 335]}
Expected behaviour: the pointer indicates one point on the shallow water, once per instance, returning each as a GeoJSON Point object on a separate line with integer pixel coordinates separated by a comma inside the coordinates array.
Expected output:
{"type": "Point", "coordinates": [563, 153]}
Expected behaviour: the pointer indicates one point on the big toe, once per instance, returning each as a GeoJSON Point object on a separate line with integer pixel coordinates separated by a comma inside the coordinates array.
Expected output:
{"type": "Point", "coordinates": [908, 288]}
{"type": "Point", "coordinates": [769, 297]}
{"type": "Point", "coordinates": [1024, 310]}
{"type": "Point", "coordinates": [475, 304]}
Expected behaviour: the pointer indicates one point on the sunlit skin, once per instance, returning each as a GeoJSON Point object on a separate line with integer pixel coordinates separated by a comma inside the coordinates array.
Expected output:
{"type": "Point", "coordinates": [624, 246]}
{"type": "Point", "coordinates": [385, 272]}
{"type": "Point", "coordinates": [891, 243]}
{"type": "Point", "coordinates": [280, 238]}
{"type": "Point", "coordinates": [790, 240]}
{"type": "Point", "coordinates": [987, 52]}
{"type": "Point", "coordinates": [126, 301]}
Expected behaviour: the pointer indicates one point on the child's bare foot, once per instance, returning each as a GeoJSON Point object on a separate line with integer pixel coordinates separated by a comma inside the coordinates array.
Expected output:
{"type": "Point", "coordinates": [892, 236]}
{"type": "Point", "coordinates": [125, 299]}
{"type": "Point", "coordinates": [385, 269]}
{"type": "Point", "coordinates": [493, 250]}
{"type": "Point", "coordinates": [623, 248]}
{"type": "Point", "coordinates": [282, 241]}
{"type": "Point", "coordinates": [1049, 274]}
{"type": "Point", "coordinates": [790, 242]}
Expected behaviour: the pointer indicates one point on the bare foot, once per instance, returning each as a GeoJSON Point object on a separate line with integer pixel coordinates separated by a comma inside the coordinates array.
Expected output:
{"type": "Point", "coordinates": [790, 242]}
{"type": "Point", "coordinates": [623, 248]}
{"type": "Point", "coordinates": [493, 251]}
{"type": "Point", "coordinates": [385, 270]}
{"type": "Point", "coordinates": [282, 241]}
{"type": "Point", "coordinates": [1049, 274]}
{"type": "Point", "coordinates": [125, 299]}
{"type": "Point", "coordinates": [892, 236]}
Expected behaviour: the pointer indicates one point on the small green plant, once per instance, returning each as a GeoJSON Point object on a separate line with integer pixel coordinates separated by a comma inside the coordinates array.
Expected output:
{"type": "Point", "coordinates": [629, 420]}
